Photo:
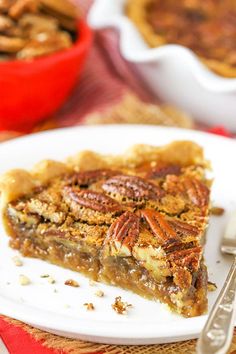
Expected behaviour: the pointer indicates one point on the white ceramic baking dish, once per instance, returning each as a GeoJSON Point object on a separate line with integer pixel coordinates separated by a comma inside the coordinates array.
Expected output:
{"type": "Point", "coordinates": [173, 72]}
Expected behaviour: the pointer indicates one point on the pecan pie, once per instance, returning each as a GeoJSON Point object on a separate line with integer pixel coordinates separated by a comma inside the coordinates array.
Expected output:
{"type": "Point", "coordinates": [212, 23]}
{"type": "Point", "coordinates": [136, 220]}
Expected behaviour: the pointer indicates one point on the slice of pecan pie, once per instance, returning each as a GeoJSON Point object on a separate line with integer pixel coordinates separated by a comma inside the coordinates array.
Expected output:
{"type": "Point", "coordinates": [136, 220]}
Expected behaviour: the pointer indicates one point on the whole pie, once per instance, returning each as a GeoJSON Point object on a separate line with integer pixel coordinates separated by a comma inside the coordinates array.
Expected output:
{"type": "Point", "coordinates": [207, 27]}
{"type": "Point", "coordinates": [135, 220]}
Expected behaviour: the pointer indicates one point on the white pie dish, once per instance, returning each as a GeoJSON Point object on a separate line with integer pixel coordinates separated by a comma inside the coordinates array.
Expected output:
{"type": "Point", "coordinates": [173, 72]}
{"type": "Point", "coordinates": [38, 304]}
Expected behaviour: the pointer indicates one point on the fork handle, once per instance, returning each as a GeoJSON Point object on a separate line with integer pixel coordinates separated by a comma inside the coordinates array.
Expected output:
{"type": "Point", "coordinates": [217, 333]}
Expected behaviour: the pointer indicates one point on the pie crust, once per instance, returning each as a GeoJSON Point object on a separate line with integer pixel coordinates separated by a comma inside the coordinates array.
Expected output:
{"type": "Point", "coordinates": [135, 220]}
{"type": "Point", "coordinates": [212, 22]}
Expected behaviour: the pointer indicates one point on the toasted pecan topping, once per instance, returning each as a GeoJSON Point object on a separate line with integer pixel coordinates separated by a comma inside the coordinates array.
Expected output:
{"type": "Point", "coordinates": [197, 192]}
{"type": "Point", "coordinates": [122, 234]}
{"type": "Point", "coordinates": [163, 171]}
{"type": "Point", "coordinates": [132, 187]}
{"type": "Point", "coordinates": [88, 177]}
{"type": "Point", "coordinates": [160, 227]}
{"type": "Point", "coordinates": [93, 200]}
{"type": "Point", "coordinates": [184, 228]}
{"type": "Point", "coordinates": [187, 258]}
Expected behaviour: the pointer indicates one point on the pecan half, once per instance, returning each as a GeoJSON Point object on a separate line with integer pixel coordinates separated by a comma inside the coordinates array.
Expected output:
{"type": "Point", "coordinates": [183, 228]}
{"type": "Point", "coordinates": [160, 227]}
{"type": "Point", "coordinates": [11, 45]}
{"type": "Point", "coordinates": [122, 234]}
{"type": "Point", "coordinates": [21, 6]}
{"type": "Point", "coordinates": [92, 200]}
{"type": "Point", "coordinates": [197, 192]}
{"type": "Point", "coordinates": [132, 187]}
{"type": "Point", "coordinates": [187, 258]}
{"type": "Point", "coordinates": [84, 179]}
{"type": "Point", "coordinates": [163, 171]}
{"type": "Point", "coordinates": [184, 263]}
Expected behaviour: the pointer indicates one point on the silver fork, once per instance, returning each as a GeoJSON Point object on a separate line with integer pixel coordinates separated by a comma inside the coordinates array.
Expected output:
{"type": "Point", "coordinates": [217, 333]}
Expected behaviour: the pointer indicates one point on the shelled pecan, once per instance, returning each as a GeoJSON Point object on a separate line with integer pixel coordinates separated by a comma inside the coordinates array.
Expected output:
{"type": "Point", "coordinates": [132, 187]}
{"type": "Point", "coordinates": [33, 28]}
{"type": "Point", "coordinates": [90, 199]}
{"type": "Point", "coordinates": [122, 234]}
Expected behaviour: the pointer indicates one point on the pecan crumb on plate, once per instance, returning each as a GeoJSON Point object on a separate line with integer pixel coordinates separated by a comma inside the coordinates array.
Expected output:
{"type": "Point", "coordinates": [89, 306]}
{"type": "Point", "coordinates": [119, 306]}
{"type": "Point", "coordinates": [99, 293]}
{"type": "Point", "coordinates": [211, 286]}
{"type": "Point", "coordinates": [17, 261]}
{"type": "Point", "coordinates": [71, 282]}
{"type": "Point", "coordinates": [24, 280]}
{"type": "Point", "coordinates": [51, 280]}
{"type": "Point", "coordinates": [217, 211]}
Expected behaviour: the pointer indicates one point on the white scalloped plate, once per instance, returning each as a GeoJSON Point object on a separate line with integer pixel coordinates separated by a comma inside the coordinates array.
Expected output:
{"type": "Point", "coordinates": [62, 312]}
{"type": "Point", "coordinates": [173, 72]}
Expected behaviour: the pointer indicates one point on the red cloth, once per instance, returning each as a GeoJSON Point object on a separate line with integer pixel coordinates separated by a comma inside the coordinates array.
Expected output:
{"type": "Point", "coordinates": [19, 341]}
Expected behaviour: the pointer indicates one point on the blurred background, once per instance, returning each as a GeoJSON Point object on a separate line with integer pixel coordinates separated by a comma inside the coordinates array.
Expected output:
{"type": "Point", "coordinates": [57, 71]}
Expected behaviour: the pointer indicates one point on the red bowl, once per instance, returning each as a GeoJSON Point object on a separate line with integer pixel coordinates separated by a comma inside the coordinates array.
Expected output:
{"type": "Point", "coordinates": [32, 90]}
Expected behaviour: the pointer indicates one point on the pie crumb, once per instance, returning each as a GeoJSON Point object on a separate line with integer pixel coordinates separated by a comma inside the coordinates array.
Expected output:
{"type": "Point", "coordinates": [51, 280]}
{"type": "Point", "coordinates": [99, 293]}
{"type": "Point", "coordinates": [89, 306]}
{"type": "Point", "coordinates": [211, 286]}
{"type": "Point", "coordinates": [24, 280]}
{"type": "Point", "coordinates": [119, 306]}
{"type": "Point", "coordinates": [44, 276]}
{"type": "Point", "coordinates": [71, 282]}
{"type": "Point", "coordinates": [17, 261]}
{"type": "Point", "coordinates": [217, 211]}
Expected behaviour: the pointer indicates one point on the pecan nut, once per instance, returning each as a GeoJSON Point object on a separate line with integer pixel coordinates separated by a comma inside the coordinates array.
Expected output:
{"type": "Point", "coordinates": [19, 7]}
{"type": "Point", "coordinates": [184, 263]}
{"type": "Point", "coordinates": [187, 258]}
{"type": "Point", "coordinates": [92, 200]}
{"type": "Point", "coordinates": [122, 235]}
{"type": "Point", "coordinates": [160, 227]}
{"type": "Point", "coordinates": [86, 178]}
{"type": "Point", "coordinates": [184, 228]}
{"type": "Point", "coordinates": [197, 192]}
{"type": "Point", "coordinates": [163, 171]}
{"type": "Point", "coordinates": [132, 187]}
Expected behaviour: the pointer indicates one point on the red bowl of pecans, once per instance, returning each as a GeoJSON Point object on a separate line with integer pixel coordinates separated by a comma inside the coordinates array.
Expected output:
{"type": "Point", "coordinates": [39, 68]}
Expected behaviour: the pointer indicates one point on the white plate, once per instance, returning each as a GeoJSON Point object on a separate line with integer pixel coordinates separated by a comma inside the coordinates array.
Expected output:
{"type": "Point", "coordinates": [173, 72]}
{"type": "Point", "coordinates": [148, 322]}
